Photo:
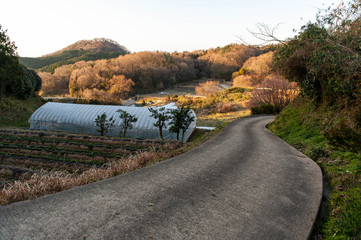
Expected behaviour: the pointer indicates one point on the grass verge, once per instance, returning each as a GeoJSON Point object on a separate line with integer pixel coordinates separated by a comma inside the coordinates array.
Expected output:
{"type": "Point", "coordinates": [302, 125]}
{"type": "Point", "coordinates": [15, 112]}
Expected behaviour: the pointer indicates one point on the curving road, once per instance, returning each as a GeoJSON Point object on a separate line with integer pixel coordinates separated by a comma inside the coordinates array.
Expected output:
{"type": "Point", "coordinates": [245, 183]}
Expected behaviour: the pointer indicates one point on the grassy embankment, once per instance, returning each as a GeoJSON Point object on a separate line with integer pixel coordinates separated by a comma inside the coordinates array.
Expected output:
{"type": "Point", "coordinates": [16, 113]}
{"type": "Point", "coordinates": [304, 125]}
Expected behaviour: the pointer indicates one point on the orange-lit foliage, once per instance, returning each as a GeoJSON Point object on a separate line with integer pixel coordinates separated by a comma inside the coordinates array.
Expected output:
{"type": "Point", "coordinates": [222, 62]}
{"type": "Point", "coordinates": [260, 65]}
{"type": "Point", "coordinates": [245, 81]}
{"type": "Point", "coordinates": [208, 88]}
{"type": "Point", "coordinates": [144, 71]}
{"type": "Point", "coordinates": [253, 71]}
{"type": "Point", "coordinates": [149, 71]}
{"type": "Point", "coordinates": [120, 86]}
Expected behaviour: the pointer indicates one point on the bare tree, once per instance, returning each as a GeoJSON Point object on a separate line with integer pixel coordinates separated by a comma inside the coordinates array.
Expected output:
{"type": "Point", "coordinates": [266, 33]}
{"type": "Point", "coordinates": [274, 90]}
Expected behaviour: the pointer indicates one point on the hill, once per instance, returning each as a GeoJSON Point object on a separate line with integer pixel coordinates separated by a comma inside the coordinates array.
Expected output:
{"type": "Point", "coordinates": [94, 45]}
{"type": "Point", "coordinates": [143, 72]}
{"type": "Point", "coordinates": [84, 50]}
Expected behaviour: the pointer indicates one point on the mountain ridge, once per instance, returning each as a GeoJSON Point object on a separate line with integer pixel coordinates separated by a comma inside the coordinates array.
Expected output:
{"type": "Point", "coordinates": [93, 45]}
{"type": "Point", "coordinates": [83, 50]}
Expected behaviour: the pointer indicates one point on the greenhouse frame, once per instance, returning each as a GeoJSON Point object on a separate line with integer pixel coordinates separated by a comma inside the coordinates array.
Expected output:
{"type": "Point", "coordinates": [80, 118]}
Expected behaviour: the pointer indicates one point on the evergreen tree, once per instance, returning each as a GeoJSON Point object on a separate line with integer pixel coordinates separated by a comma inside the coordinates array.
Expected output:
{"type": "Point", "coordinates": [180, 120]}
{"type": "Point", "coordinates": [161, 116]}
{"type": "Point", "coordinates": [128, 121]}
{"type": "Point", "coordinates": [10, 70]}
{"type": "Point", "coordinates": [103, 123]}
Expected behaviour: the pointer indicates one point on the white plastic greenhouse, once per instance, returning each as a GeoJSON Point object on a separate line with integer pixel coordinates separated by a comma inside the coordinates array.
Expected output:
{"type": "Point", "coordinates": [80, 118]}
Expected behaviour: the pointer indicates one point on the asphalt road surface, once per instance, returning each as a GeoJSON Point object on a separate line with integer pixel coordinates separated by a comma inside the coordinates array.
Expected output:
{"type": "Point", "coordinates": [245, 183]}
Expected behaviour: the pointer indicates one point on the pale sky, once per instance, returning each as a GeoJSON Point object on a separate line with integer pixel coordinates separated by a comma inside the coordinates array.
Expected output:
{"type": "Point", "coordinates": [39, 27]}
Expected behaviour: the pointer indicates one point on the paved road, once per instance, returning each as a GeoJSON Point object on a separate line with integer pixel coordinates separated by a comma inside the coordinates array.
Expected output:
{"type": "Point", "coordinates": [245, 183]}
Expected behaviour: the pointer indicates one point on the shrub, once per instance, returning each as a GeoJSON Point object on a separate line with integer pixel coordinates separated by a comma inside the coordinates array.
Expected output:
{"type": "Point", "coordinates": [25, 86]}
{"type": "Point", "coordinates": [174, 97]}
{"type": "Point", "coordinates": [234, 90]}
{"type": "Point", "coordinates": [184, 100]}
{"type": "Point", "coordinates": [265, 109]}
{"type": "Point", "coordinates": [224, 108]}
{"type": "Point", "coordinates": [244, 81]}
{"type": "Point", "coordinates": [324, 58]}
{"type": "Point", "coordinates": [275, 91]}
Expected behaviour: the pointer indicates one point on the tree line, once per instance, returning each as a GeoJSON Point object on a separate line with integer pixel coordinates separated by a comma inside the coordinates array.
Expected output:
{"type": "Point", "coordinates": [15, 79]}
{"type": "Point", "coordinates": [143, 72]}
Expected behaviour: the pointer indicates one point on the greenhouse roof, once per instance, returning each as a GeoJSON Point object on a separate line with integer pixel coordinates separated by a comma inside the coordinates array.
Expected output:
{"type": "Point", "coordinates": [85, 114]}
{"type": "Point", "coordinates": [80, 118]}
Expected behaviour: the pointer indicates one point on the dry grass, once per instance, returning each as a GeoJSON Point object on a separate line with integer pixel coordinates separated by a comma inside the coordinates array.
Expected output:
{"type": "Point", "coordinates": [41, 184]}
{"type": "Point", "coordinates": [225, 108]}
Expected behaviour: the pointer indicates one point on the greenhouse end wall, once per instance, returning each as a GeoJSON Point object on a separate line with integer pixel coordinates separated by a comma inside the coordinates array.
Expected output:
{"type": "Point", "coordinates": [80, 118]}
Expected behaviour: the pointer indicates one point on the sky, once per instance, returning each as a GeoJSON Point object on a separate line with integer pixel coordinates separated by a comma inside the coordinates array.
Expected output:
{"type": "Point", "coordinates": [39, 27]}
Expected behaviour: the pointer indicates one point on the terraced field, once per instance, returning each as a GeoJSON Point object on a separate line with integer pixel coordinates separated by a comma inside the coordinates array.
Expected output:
{"type": "Point", "coordinates": [25, 152]}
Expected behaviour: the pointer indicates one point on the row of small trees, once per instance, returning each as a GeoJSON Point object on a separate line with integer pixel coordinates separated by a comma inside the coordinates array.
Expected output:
{"type": "Point", "coordinates": [178, 120]}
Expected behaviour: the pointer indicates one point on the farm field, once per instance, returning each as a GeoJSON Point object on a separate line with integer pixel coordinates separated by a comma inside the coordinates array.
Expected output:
{"type": "Point", "coordinates": [36, 163]}
{"type": "Point", "coordinates": [24, 152]}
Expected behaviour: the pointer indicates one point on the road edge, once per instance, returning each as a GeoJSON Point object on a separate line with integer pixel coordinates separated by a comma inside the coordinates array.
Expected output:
{"type": "Point", "coordinates": [320, 177]}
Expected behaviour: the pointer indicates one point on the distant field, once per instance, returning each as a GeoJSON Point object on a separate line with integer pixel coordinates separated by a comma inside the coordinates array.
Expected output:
{"type": "Point", "coordinates": [23, 152]}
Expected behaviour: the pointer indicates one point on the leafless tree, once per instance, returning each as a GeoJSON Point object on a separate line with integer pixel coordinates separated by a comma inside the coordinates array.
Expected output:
{"type": "Point", "coordinates": [274, 90]}
{"type": "Point", "coordinates": [266, 33]}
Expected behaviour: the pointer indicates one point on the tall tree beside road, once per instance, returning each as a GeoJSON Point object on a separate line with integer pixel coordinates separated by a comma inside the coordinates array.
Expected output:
{"type": "Point", "coordinates": [9, 63]}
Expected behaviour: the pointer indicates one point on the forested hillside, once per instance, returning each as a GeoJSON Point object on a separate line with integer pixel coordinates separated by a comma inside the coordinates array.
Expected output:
{"type": "Point", "coordinates": [84, 50]}
{"type": "Point", "coordinates": [94, 45]}
{"type": "Point", "coordinates": [143, 72]}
